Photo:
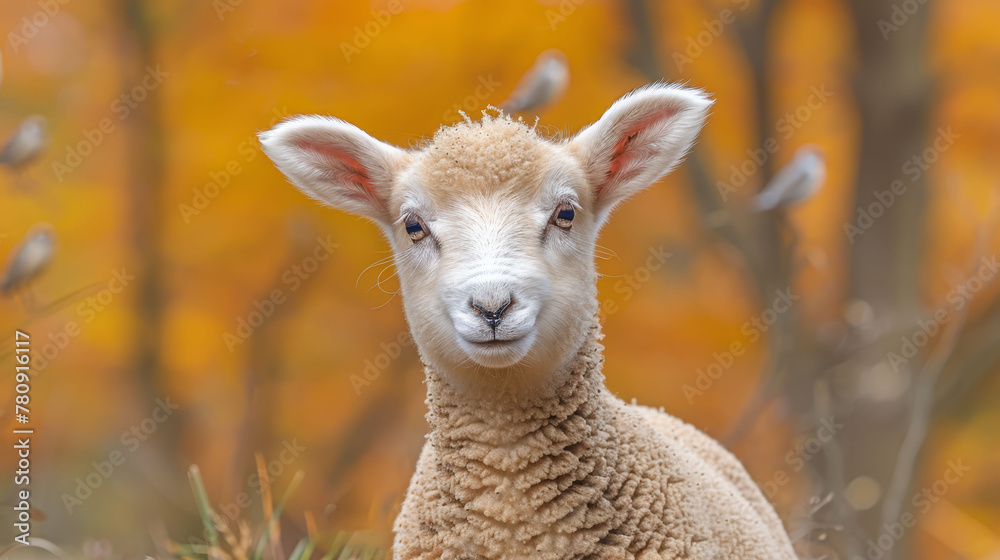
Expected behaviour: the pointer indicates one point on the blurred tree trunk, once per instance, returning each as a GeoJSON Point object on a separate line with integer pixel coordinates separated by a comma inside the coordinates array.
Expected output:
{"type": "Point", "coordinates": [893, 96]}
{"type": "Point", "coordinates": [145, 177]}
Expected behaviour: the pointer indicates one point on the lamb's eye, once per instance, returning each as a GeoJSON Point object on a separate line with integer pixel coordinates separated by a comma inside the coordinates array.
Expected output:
{"type": "Point", "coordinates": [415, 228]}
{"type": "Point", "coordinates": [563, 216]}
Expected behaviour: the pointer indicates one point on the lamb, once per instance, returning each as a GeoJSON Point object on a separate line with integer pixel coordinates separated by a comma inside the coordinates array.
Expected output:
{"type": "Point", "coordinates": [529, 455]}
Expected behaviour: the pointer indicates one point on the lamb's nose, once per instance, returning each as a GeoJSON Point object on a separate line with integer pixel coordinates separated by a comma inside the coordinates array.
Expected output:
{"type": "Point", "coordinates": [491, 316]}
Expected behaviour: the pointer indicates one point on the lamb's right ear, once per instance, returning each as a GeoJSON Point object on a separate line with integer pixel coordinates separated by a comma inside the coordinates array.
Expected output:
{"type": "Point", "coordinates": [336, 163]}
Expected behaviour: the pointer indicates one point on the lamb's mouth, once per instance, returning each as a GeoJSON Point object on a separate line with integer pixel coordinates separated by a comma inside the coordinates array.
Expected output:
{"type": "Point", "coordinates": [498, 353]}
{"type": "Point", "coordinates": [496, 342]}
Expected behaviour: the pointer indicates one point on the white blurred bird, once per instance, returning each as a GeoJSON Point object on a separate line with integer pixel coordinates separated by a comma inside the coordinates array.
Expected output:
{"type": "Point", "coordinates": [542, 84]}
{"type": "Point", "coordinates": [28, 259]}
{"type": "Point", "coordinates": [797, 181]}
{"type": "Point", "coordinates": [27, 143]}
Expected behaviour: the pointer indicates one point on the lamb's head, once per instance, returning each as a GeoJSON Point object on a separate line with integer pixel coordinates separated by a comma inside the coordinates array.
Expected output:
{"type": "Point", "coordinates": [493, 226]}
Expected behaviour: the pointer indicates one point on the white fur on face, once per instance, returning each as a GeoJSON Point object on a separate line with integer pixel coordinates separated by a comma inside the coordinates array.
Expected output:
{"type": "Point", "coordinates": [485, 194]}
{"type": "Point", "coordinates": [495, 246]}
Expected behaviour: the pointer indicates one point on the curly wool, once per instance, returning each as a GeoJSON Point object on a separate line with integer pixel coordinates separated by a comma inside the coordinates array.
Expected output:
{"type": "Point", "coordinates": [577, 474]}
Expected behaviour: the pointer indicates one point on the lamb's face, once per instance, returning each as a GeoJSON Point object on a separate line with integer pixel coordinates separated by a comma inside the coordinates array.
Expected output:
{"type": "Point", "coordinates": [493, 233]}
{"type": "Point", "coordinates": [492, 226]}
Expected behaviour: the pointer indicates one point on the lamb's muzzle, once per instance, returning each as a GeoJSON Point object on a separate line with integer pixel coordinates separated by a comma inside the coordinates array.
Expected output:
{"type": "Point", "coordinates": [493, 231]}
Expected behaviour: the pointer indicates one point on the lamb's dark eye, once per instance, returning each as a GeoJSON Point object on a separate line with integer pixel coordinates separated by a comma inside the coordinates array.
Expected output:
{"type": "Point", "coordinates": [415, 228]}
{"type": "Point", "coordinates": [563, 216]}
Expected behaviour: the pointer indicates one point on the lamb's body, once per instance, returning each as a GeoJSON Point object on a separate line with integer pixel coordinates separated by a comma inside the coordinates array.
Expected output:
{"type": "Point", "coordinates": [578, 474]}
{"type": "Point", "coordinates": [493, 230]}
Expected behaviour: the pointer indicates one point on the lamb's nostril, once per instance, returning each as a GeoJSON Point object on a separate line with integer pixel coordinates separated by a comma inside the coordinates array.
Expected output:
{"type": "Point", "coordinates": [494, 315]}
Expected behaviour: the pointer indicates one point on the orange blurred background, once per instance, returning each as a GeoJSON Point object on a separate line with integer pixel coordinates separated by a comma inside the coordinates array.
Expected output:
{"type": "Point", "coordinates": [168, 186]}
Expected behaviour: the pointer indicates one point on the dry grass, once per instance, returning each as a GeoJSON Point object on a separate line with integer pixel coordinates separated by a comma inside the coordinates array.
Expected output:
{"type": "Point", "coordinates": [244, 542]}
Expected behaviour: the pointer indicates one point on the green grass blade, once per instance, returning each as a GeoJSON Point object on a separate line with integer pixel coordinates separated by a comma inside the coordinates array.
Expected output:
{"type": "Point", "coordinates": [302, 551]}
{"type": "Point", "coordinates": [204, 508]}
{"type": "Point", "coordinates": [346, 553]}
{"type": "Point", "coordinates": [276, 515]}
{"type": "Point", "coordinates": [338, 542]}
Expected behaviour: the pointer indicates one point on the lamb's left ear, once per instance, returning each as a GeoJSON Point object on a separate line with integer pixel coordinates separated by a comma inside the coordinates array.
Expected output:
{"type": "Point", "coordinates": [641, 138]}
{"type": "Point", "coordinates": [336, 163]}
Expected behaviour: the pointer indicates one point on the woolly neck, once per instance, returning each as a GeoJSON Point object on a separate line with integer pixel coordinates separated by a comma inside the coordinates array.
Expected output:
{"type": "Point", "coordinates": [525, 469]}
{"type": "Point", "coordinates": [575, 473]}
{"type": "Point", "coordinates": [510, 415]}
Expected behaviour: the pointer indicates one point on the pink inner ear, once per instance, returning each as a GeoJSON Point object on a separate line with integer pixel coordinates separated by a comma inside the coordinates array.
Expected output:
{"type": "Point", "coordinates": [623, 159]}
{"type": "Point", "coordinates": [345, 169]}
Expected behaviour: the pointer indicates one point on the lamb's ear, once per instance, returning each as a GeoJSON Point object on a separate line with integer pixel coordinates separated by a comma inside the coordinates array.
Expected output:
{"type": "Point", "coordinates": [643, 136]}
{"type": "Point", "coordinates": [336, 163]}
